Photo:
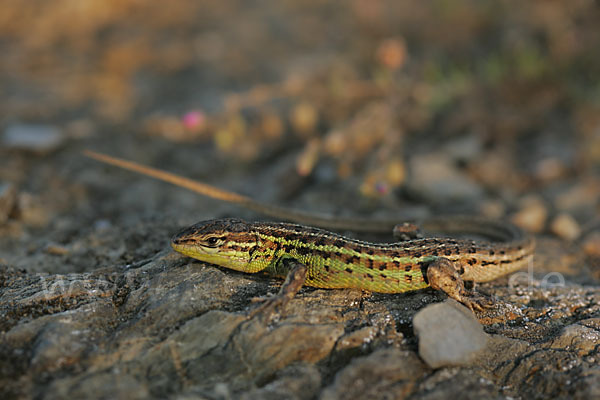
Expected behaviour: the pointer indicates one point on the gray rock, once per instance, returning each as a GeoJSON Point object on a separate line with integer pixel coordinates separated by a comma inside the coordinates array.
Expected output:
{"type": "Point", "coordinates": [436, 178]}
{"type": "Point", "coordinates": [449, 334]}
{"type": "Point", "coordinates": [172, 327]}
{"type": "Point", "coordinates": [580, 337]}
{"type": "Point", "coordinates": [386, 373]}
{"type": "Point", "coordinates": [31, 137]}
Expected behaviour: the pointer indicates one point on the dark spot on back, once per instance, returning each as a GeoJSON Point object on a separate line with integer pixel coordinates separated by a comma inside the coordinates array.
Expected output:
{"type": "Point", "coordinates": [303, 250]}
{"type": "Point", "coordinates": [321, 242]}
{"type": "Point", "coordinates": [339, 243]}
{"type": "Point", "coordinates": [351, 259]}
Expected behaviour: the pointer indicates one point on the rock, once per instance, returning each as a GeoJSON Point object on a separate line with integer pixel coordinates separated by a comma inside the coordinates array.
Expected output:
{"type": "Point", "coordinates": [453, 383]}
{"type": "Point", "coordinates": [172, 327]}
{"type": "Point", "coordinates": [578, 337]}
{"type": "Point", "coordinates": [35, 138]}
{"type": "Point", "coordinates": [386, 373]}
{"type": "Point", "coordinates": [304, 380]}
{"type": "Point", "coordinates": [436, 178]}
{"type": "Point", "coordinates": [532, 215]}
{"type": "Point", "coordinates": [583, 194]}
{"type": "Point", "coordinates": [449, 334]}
{"type": "Point", "coordinates": [566, 227]}
{"type": "Point", "coordinates": [591, 244]}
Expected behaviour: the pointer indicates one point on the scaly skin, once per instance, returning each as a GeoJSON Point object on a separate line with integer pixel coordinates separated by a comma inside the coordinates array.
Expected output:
{"type": "Point", "coordinates": [333, 261]}
{"type": "Point", "coordinates": [323, 259]}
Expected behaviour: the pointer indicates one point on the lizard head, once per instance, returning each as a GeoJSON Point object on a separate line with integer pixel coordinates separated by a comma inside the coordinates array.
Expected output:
{"type": "Point", "coordinates": [225, 242]}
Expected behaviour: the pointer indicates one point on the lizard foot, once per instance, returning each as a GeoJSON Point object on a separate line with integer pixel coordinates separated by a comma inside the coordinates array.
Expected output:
{"type": "Point", "coordinates": [444, 275]}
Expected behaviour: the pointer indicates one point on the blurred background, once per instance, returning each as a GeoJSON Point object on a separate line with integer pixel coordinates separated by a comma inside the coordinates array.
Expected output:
{"type": "Point", "coordinates": [365, 107]}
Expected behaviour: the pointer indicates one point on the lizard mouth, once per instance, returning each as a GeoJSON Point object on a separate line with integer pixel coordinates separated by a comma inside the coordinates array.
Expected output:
{"type": "Point", "coordinates": [192, 249]}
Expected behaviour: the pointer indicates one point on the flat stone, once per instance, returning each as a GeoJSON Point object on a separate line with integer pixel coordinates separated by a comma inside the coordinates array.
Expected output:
{"type": "Point", "coordinates": [436, 178]}
{"type": "Point", "coordinates": [32, 137]}
{"type": "Point", "coordinates": [565, 227]}
{"type": "Point", "coordinates": [448, 334]}
{"type": "Point", "coordinates": [386, 373]}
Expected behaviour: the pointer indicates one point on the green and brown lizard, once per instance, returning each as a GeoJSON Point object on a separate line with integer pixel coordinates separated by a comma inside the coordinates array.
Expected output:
{"type": "Point", "coordinates": [318, 258]}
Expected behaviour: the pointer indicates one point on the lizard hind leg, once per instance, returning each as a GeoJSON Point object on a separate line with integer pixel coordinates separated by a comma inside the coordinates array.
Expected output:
{"type": "Point", "coordinates": [406, 231]}
{"type": "Point", "coordinates": [444, 275]}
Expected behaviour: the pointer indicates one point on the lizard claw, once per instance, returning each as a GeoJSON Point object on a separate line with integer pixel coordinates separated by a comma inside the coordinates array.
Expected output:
{"type": "Point", "coordinates": [476, 302]}
{"type": "Point", "coordinates": [270, 305]}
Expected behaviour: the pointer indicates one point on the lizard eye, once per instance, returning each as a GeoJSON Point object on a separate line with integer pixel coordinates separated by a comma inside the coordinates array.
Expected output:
{"type": "Point", "coordinates": [213, 241]}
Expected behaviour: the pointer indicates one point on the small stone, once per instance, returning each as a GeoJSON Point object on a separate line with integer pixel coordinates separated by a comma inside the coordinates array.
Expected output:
{"type": "Point", "coordinates": [308, 158]}
{"type": "Point", "coordinates": [392, 53]}
{"type": "Point", "coordinates": [566, 227]}
{"type": "Point", "coordinates": [591, 244]}
{"type": "Point", "coordinates": [36, 138]}
{"type": "Point", "coordinates": [271, 126]}
{"type": "Point", "coordinates": [80, 129]}
{"type": "Point", "coordinates": [8, 198]}
{"type": "Point", "coordinates": [56, 250]}
{"type": "Point", "coordinates": [467, 147]}
{"type": "Point", "coordinates": [584, 194]}
{"type": "Point", "coordinates": [436, 178]}
{"type": "Point", "coordinates": [550, 169]}
{"type": "Point", "coordinates": [448, 334]}
{"type": "Point", "coordinates": [304, 119]}
{"type": "Point", "coordinates": [532, 215]}
{"type": "Point", "coordinates": [493, 209]}
{"type": "Point", "coordinates": [384, 374]}
{"type": "Point", "coordinates": [31, 210]}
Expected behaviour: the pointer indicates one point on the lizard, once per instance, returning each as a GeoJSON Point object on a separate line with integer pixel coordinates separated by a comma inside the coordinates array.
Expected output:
{"type": "Point", "coordinates": [307, 255]}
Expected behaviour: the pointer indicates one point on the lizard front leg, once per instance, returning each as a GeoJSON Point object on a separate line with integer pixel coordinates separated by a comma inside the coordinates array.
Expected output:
{"type": "Point", "coordinates": [444, 275]}
{"type": "Point", "coordinates": [293, 283]}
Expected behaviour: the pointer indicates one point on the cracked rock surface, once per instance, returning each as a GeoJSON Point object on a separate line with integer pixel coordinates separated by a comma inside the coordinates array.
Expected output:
{"type": "Point", "coordinates": [173, 325]}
